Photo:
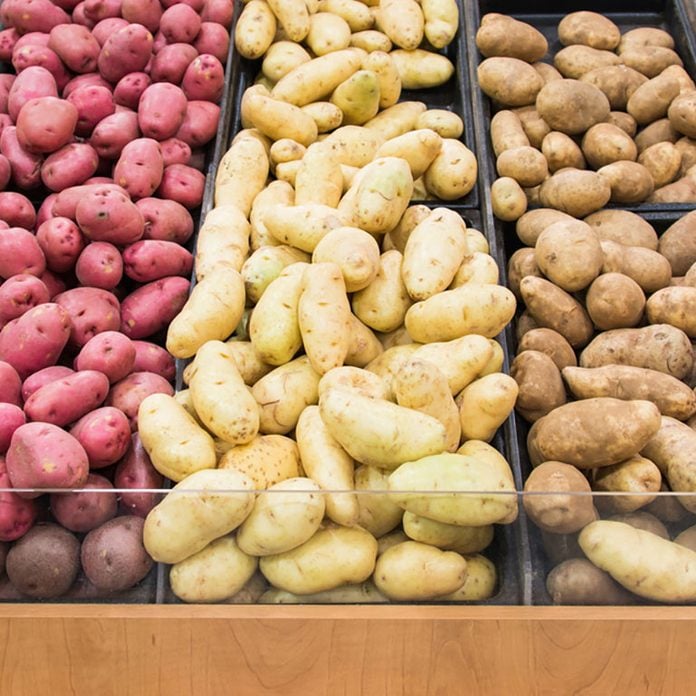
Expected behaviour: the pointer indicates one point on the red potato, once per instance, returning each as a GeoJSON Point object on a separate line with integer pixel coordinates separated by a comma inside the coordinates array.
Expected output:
{"type": "Point", "coordinates": [145, 12]}
{"type": "Point", "coordinates": [180, 24]}
{"type": "Point", "coordinates": [158, 43]}
{"type": "Point", "coordinates": [91, 312]}
{"type": "Point", "coordinates": [17, 515]}
{"type": "Point", "coordinates": [75, 46]}
{"type": "Point", "coordinates": [130, 88]}
{"type": "Point", "coordinates": [149, 357]}
{"type": "Point", "coordinates": [46, 376]}
{"type": "Point", "coordinates": [11, 417]}
{"type": "Point", "coordinates": [6, 82]}
{"type": "Point", "coordinates": [110, 353]}
{"type": "Point", "coordinates": [127, 394]}
{"type": "Point", "coordinates": [8, 39]}
{"type": "Point", "coordinates": [82, 511]}
{"type": "Point", "coordinates": [29, 84]}
{"type": "Point", "coordinates": [161, 110]}
{"type": "Point", "coordinates": [105, 435]}
{"type": "Point", "coordinates": [65, 204]}
{"type": "Point", "coordinates": [175, 151]}
{"type": "Point", "coordinates": [35, 55]}
{"type": "Point", "coordinates": [220, 11]}
{"type": "Point", "coordinates": [214, 39]}
{"type": "Point", "coordinates": [79, 16]}
{"type": "Point", "coordinates": [46, 124]}
{"type": "Point", "coordinates": [135, 471]}
{"type": "Point", "coordinates": [5, 172]}
{"type": "Point", "coordinates": [106, 27]}
{"type": "Point", "coordinates": [10, 385]}
{"type": "Point", "coordinates": [99, 180]}
{"type": "Point", "coordinates": [108, 215]}
{"type": "Point", "coordinates": [32, 15]}
{"type": "Point", "coordinates": [70, 166]}
{"type": "Point", "coordinates": [204, 79]}
{"type": "Point", "coordinates": [151, 259]}
{"type": "Point", "coordinates": [42, 455]}
{"type": "Point", "coordinates": [99, 266]}
{"type": "Point", "coordinates": [96, 10]}
{"type": "Point", "coordinates": [19, 294]}
{"type": "Point", "coordinates": [26, 166]}
{"type": "Point", "coordinates": [62, 243]}
{"type": "Point", "coordinates": [182, 184]}
{"type": "Point", "coordinates": [93, 103]}
{"type": "Point", "coordinates": [16, 210]}
{"type": "Point", "coordinates": [152, 307]}
{"type": "Point", "coordinates": [195, 4]}
{"type": "Point", "coordinates": [171, 61]}
{"type": "Point", "coordinates": [54, 284]}
{"type": "Point", "coordinates": [32, 38]}
{"type": "Point", "coordinates": [200, 123]}
{"type": "Point", "coordinates": [92, 79]}
{"type": "Point", "coordinates": [68, 399]}
{"type": "Point", "coordinates": [20, 253]}
{"type": "Point", "coordinates": [139, 168]}
{"type": "Point", "coordinates": [125, 51]}
{"type": "Point", "coordinates": [165, 220]}
{"type": "Point", "coordinates": [45, 211]}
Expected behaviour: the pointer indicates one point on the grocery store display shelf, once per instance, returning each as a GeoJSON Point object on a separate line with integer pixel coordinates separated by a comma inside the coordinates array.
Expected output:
{"type": "Point", "coordinates": [256, 650]}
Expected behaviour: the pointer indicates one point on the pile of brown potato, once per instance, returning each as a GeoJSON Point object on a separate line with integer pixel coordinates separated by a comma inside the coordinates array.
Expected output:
{"type": "Point", "coordinates": [612, 120]}
{"type": "Point", "coordinates": [605, 369]}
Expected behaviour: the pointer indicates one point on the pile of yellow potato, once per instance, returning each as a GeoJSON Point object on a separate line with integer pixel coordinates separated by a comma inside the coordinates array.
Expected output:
{"type": "Point", "coordinates": [345, 382]}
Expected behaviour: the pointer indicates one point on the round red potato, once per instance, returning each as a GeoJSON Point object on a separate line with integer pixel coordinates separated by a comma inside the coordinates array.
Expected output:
{"type": "Point", "coordinates": [145, 12]}
{"type": "Point", "coordinates": [139, 168]}
{"type": "Point", "coordinates": [105, 435]}
{"type": "Point", "coordinates": [17, 515]}
{"type": "Point", "coordinates": [130, 88]}
{"type": "Point", "coordinates": [104, 28]}
{"type": "Point", "coordinates": [43, 15]}
{"type": "Point", "coordinates": [96, 10]}
{"type": "Point", "coordinates": [35, 55]}
{"type": "Point", "coordinates": [10, 384]}
{"type": "Point", "coordinates": [214, 39]}
{"type": "Point", "coordinates": [99, 266]}
{"type": "Point", "coordinates": [175, 151]}
{"type": "Point", "coordinates": [25, 165]}
{"type": "Point", "coordinates": [92, 79]}
{"type": "Point", "coordinates": [180, 24]}
{"type": "Point", "coordinates": [54, 284]}
{"type": "Point", "coordinates": [200, 123]}
{"type": "Point", "coordinates": [16, 210]}
{"type": "Point", "coordinates": [61, 242]}
{"type": "Point", "coordinates": [19, 294]}
{"type": "Point", "coordinates": [171, 61]}
{"type": "Point", "coordinates": [182, 184]}
{"type": "Point", "coordinates": [91, 311]}
{"type": "Point", "coordinates": [20, 253]}
{"type": "Point", "coordinates": [151, 259]}
{"type": "Point", "coordinates": [135, 471]}
{"type": "Point", "coordinates": [83, 511]}
{"type": "Point", "coordinates": [75, 46]}
{"type": "Point", "coordinates": [70, 166]}
{"type": "Point", "coordinates": [29, 84]}
{"type": "Point", "coordinates": [11, 417]}
{"type": "Point", "coordinates": [204, 79]}
{"type": "Point", "coordinates": [125, 51]}
{"type": "Point", "coordinates": [220, 11]}
{"type": "Point", "coordinates": [42, 377]}
{"type": "Point", "coordinates": [93, 103]}
{"type": "Point", "coordinates": [149, 357]}
{"type": "Point", "coordinates": [46, 124]}
{"type": "Point", "coordinates": [108, 215]}
{"type": "Point", "coordinates": [127, 394]}
{"type": "Point", "coordinates": [113, 133]}
{"type": "Point", "coordinates": [161, 110]}
{"type": "Point", "coordinates": [165, 220]}
{"type": "Point", "coordinates": [110, 353]}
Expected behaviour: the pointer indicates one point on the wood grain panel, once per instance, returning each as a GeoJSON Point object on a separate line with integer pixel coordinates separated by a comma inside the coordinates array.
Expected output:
{"type": "Point", "coordinates": [377, 651]}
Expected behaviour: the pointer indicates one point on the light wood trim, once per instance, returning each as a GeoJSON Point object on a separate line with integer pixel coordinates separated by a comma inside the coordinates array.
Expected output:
{"type": "Point", "coordinates": [105, 650]}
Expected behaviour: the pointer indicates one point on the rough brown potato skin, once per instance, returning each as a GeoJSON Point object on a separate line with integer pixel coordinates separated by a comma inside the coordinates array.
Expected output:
{"type": "Point", "coordinates": [533, 124]}
{"type": "Point", "coordinates": [637, 476]}
{"type": "Point", "coordinates": [604, 143]}
{"type": "Point", "coordinates": [594, 432]}
{"type": "Point", "coordinates": [560, 547]}
{"type": "Point", "coordinates": [615, 301]}
{"type": "Point", "coordinates": [663, 161]}
{"type": "Point", "coordinates": [670, 395]}
{"type": "Point", "coordinates": [500, 35]}
{"type": "Point", "coordinates": [589, 29]}
{"type": "Point", "coordinates": [509, 81]}
{"type": "Point", "coordinates": [578, 581]}
{"type": "Point", "coordinates": [555, 309]}
{"type": "Point", "coordinates": [521, 264]}
{"type": "Point", "coordinates": [630, 182]}
{"type": "Point", "coordinates": [577, 192]}
{"type": "Point", "coordinates": [572, 106]}
{"type": "Point", "coordinates": [540, 384]}
{"type": "Point", "coordinates": [678, 244]}
{"type": "Point", "coordinates": [561, 511]}
{"type": "Point", "coordinates": [552, 344]}
{"type": "Point", "coordinates": [561, 151]}
{"type": "Point", "coordinates": [618, 82]}
{"type": "Point", "coordinates": [534, 222]}
{"type": "Point", "coordinates": [624, 121]}
{"type": "Point", "coordinates": [642, 520]}
{"type": "Point", "coordinates": [658, 347]}
{"type": "Point", "coordinates": [676, 306]}
{"type": "Point", "coordinates": [624, 227]}
{"type": "Point", "coordinates": [577, 60]}
{"type": "Point", "coordinates": [649, 269]}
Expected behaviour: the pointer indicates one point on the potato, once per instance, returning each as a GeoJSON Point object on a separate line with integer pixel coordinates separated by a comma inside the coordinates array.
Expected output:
{"type": "Point", "coordinates": [469, 309]}
{"type": "Point", "coordinates": [645, 36]}
{"type": "Point", "coordinates": [630, 182]}
{"type": "Point", "coordinates": [44, 563]}
{"type": "Point", "coordinates": [327, 32]}
{"type": "Point", "coordinates": [672, 306]}
{"type": "Point", "coordinates": [396, 120]}
{"type": "Point", "coordinates": [385, 69]}
{"type": "Point", "coordinates": [651, 100]}
{"type": "Point", "coordinates": [510, 81]}
{"type": "Point", "coordinates": [522, 263]}
{"type": "Point", "coordinates": [480, 583]}
{"type": "Point", "coordinates": [649, 60]}
{"type": "Point", "coordinates": [281, 57]}
{"type": "Point", "coordinates": [104, 433]}
{"type": "Point", "coordinates": [589, 29]}
{"type": "Point", "coordinates": [378, 513]}
{"type": "Point", "coordinates": [355, 13]}
{"type": "Point", "coordinates": [577, 60]}
{"type": "Point", "coordinates": [540, 385]}
{"type": "Point", "coordinates": [485, 405]}
{"type": "Point", "coordinates": [266, 460]}
{"type": "Point", "coordinates": [371, 41]}
{"type": "Point", "coordinates": [453, 472]}
{"type": "Point", "coordinates": [637, 475]}
{"type": "Point", "coordinates": [647, 268]}
{"type": "Point", "coordinates": [500, 35]}
{"type": "Point", "coordinates": [402, 21]}
{"type": "Point", "coordinates": [441, 21]}
{"type": "Point", "coordinates": [367, 383]}
{"type": "Point", "coordinates": [604, 143]}
{"type": "Point", "coordinates": [559, 499]}
{"type": "Point", "coordinates": [128, 393]}
{"type": "Point", "coordinates": [686, 538]}
{"type": "Point", "coordinates": [615, 301]}
{"type": "Point", "coordinates": [302, 226]}
{"type": "Point", "coordinates": [618, 82]}
{"type": "Point", "coordinates": [661, 572]}
{"type": "Point", "coordinates": [571, 106]}
{"type": "Point", "coordinates": [624, 227]}
{"type": "Point", "coordinates": [643, 520]}
{"type": "Point", "coordinates": [607, 431]}
{"type": "Point", "coordinates": [215, 573]}
{"type": "Point", "coordinates": [676, 245]}
{"type": "Point", "coordinates": [420, 69]}
{"type": "Point", "coordinates": [526, 165]}
{"type": "Point", "coordinates": [332, 557]}
{"type": "Point", "coordinates": [476, 268]}
{"type": "Point", "coordinates": [364, 346]}
{"type": "Point", "coordinates": [378, 432]}
{"type": "Point", "coordinates": [577, 581]}
{"type": "Point", "coordinates": [507, 132]}
{"type": "Point", "coordinates": [397, 577]}
{"type": "Point", "coordinates": [212, 312]}
{"type": "Point", "coordinates": [319, 178]}
{"type": "Point", "coordinates": [356, 145]}
{"type": "Point", "coordinates": [277, 119]}
{"type": "Point", "coordinates": [494, 460]}
{"type": "Point", "coordinates": [551, 343]}
{"type": "Point", "coordinates": [363, 593]}
{"type": "Point", "coordinates": [663, 161]}
{"type": "Point", "coordinates": [576, 192]}
{"type": "Point", "coordinates": [222, 240]}
{"type": "Point", "coordinates": [448, 537]}
{"type": "Point", "coordinates": [452, 174]}
{"type": "Point", "coordinates": [443, 122]}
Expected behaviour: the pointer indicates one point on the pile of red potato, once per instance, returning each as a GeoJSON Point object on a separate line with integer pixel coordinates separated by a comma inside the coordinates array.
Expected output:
{"type": "Point", "coordinates": [104, 123]}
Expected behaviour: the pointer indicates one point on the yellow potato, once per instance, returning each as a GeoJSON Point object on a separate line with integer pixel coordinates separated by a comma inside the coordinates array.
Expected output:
{"type": "Point", "coordinates": [480, 583]}
{"type": "Point", "coordinates": [301, 226]}
{"type": "Point", "coordinates": [327, 33]}
{"type": "Point", "coordinates": [326, 115]}
{"type": "Point", "coordinates": [283, 518]}
{"type": "Point", "coordinates": [221, 398]}
{"type": "Point", "coordinates": [201, 508]}
{"type": "Point", "coordinates": [214, 574]}
{"type": "Point", "coordinates": [485, 405]}
{"type": "Point", "coordinates": [399, 572]}
{"type": "Point", "coordinates": [265, 265]}
{"type": "Point", "coordinates": [256, 88]}
{"type": "Point", "coordinates": [495, 364]}
{"type": "Point", "coordinates": [637, 475]}
{"type": "Point", "coordinates": [384, 543]}
{"type": "Point", "coordinates": [419, 148]}
{"type": "Point", "coordinates": [434, 251]}
{"type": "Point", "coordinates": [420, 69]}
{"type": "Point", "coordinates": [287, 172]}
{"type": "Point", "coordinates": [223, 240]}
{"type": "Point", "coordinates": [489, 455]}
{"type": "Point", "coordinates": [379, 433]}
{"type": "Point", "coordinates": [292, 16]}
{"type": "Point", "coordinates": [266, 460]}
{"type": "Point", "coordinates": [353, 12]}
{"type": "Point", "coordinates": [278, 119]}
{"type": "Point", "coordinates": [371, 41]}
{"type": "Point", "coordinates": [274, 327]}
{"type": "Point", "coordinates": [412, 216]}
{"type": "Point", "coordinates": [449, 537]}
{"type": "Point", "coordinates": [476, 241]}
{"type": "Point", "coordinates": [422, 386]}
{"type": "Point", "coordinates": [364, 346]}
{"type": "Point", "coordinates": [478, 268]}
{"type": "Point", "coordinates": [469, 309]}
{"type": "Point", "coordinates": [175, 442]}
{"type": "Point", "coordinates": [327, 463]}
{"type": "Point", "coordinates": [279, 193]}
{"type": "Point", "coordinates": [362, 593]}
{"type": "Point", "coordinates": [357, 97]}
{"type": "Point", "coordinates": [333, 557]}
{"type": "Point", "coordinates": [212, 312]}
{"type": "Point", "coordinates": [283, 394]}
{"type": "Point", "coordinates": [390, 362]}
{"type": "Point", "coordinates": [397, 119]}
{"type": "Point", "coordinates": [453, 172]}
{"type": "Point", "coordinates": [356, 145]}
{"type": "Point", "coordinates": [319, 178]}
{"type": "Point", "coordinates": [255, 29]}
{"type": "Point", "coordinates": [445, 123]}
{"type": "Point", "coordinates": [402, 21]}
{"type": "Point", "coordinates": [281, 57]}
{"type": "Point", "coordinates": [441, 21]}
{"type": "Point", "coordinates": [379, 514]}
{"type": "Point", "coordinates": [362, 381]}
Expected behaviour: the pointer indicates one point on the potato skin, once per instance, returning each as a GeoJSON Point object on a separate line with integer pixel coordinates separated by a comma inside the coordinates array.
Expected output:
{"type": "Point", "coordinates": [589, 29]}
{"type": "Point", "coordinates": [675, 306]}
{"type": "Point", "coordinates": [575, 191]}
{"type": "Point", "coordinates": [510, 81]}
{"type": "Point", "coordinates": [541, 388]}
{"type": "Point", "coordinates": [577, 581]}
{"type": "Point", "coordinates": [551, 343]}
{"type": "Point", "coordinates": [623, 227]}
{"type": "Point", "coordinates": [649, 269]}
{"type": "Point", "coordinates": [500, 35]}
{"type": "Point", "coordinates": [615, 301]}
{"type": "Point", "coordinates": [571, 106]}
{"type": "Point", "coordinates": [636, 475]}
